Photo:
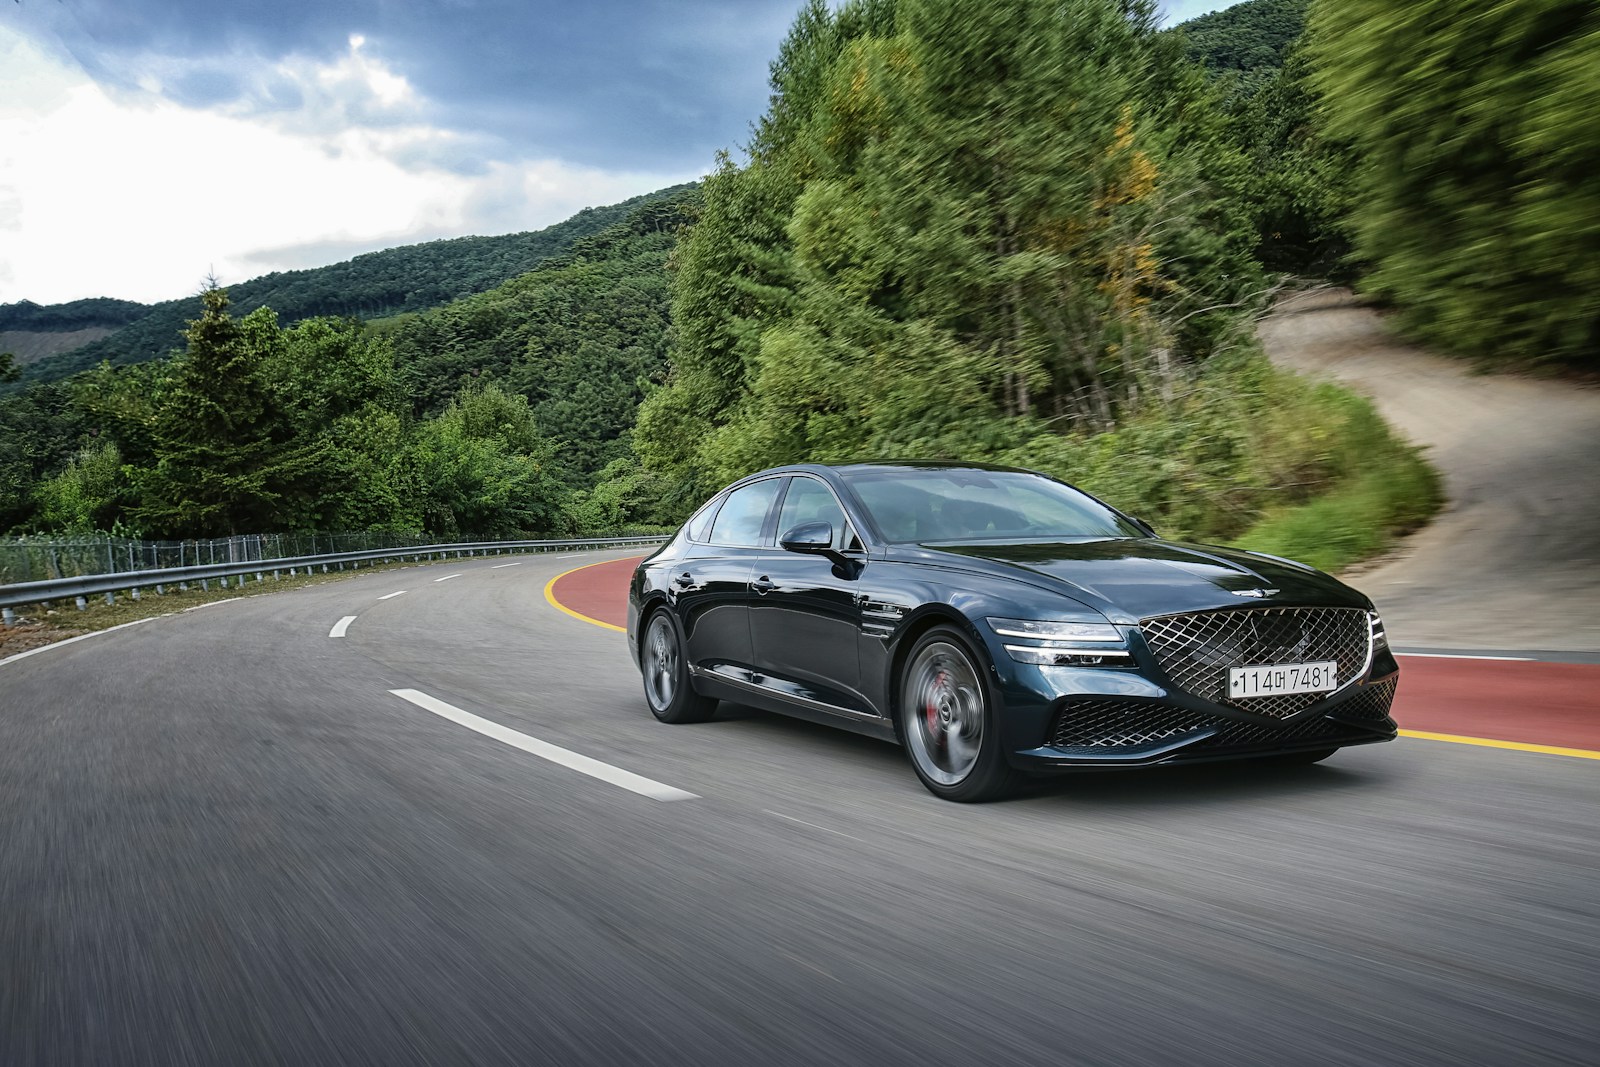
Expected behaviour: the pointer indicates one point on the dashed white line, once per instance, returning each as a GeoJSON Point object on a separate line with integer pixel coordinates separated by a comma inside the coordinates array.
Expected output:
{"type": "Point", "coordinates": [544, 750]}
{"type": "Point", "coordinates": [570, 555]}
{"type": "Point", "coordinates": [391, 596]}
{"type": "Point", "coordinates": [518, 563]}
{"type": "Point", "coordinates": [447, 577]}
{"type": "Point", "coordinates": [341, 626]}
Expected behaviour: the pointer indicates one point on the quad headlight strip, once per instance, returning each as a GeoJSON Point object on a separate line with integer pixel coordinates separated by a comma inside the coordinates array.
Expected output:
{"type": "Point", "coordinates": [1063, 644]}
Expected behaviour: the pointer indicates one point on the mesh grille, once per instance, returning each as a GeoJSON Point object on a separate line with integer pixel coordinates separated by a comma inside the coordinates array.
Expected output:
{"type": "Point", "coordinates": [1196, 650]}
{"type": "Point", "coordinates": [1247, 734]}
{"type": "Point", "coordinates": [1120, 724]}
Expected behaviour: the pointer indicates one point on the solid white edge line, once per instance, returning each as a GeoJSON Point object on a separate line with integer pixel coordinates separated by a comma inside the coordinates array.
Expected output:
{"type": "Point", "coordinates": [447, 577]}
{"type": "Point", "coordinates": [391, 596]}
{"type": "Point", "coordinates": [498, 566]}
{"type": "Point", "coordinates": [341, 626]}
{"type": "Point", "coordinates": [1452, 655]}
{"type": "Point", "coordinates": [544, 750]}
{"type": "Point", "coordinates": [81, 637]}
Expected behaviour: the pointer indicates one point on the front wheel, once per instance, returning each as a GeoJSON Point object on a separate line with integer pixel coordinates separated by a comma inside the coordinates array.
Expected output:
{"type": "Point", "coordinates": [948, 723]}
{"type": "Point", "coordinates": [666, 674]}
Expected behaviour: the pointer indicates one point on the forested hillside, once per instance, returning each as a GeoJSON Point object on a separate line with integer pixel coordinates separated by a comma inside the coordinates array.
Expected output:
{"type": "Point", "coordinates": [1030, 232]}
{"type": "Point", "coordinates": [1253, 36]}
{"type": "Point", "coordinates": [396, 280]}
{"type": "Point", "coordinates": [582, 338]}
{"type": "Point", "coordinates": [489, 416]}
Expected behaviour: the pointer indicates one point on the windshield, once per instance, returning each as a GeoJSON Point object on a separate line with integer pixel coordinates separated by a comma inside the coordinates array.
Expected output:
{"type": "Point", "coordinates": [959, 504]}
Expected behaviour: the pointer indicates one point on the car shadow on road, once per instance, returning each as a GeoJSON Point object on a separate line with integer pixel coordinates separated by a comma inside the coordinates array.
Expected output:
{"type": "Point", "coordinates": [1197, 784]}
{"type": "Point", "coordinates": [1224, 782]}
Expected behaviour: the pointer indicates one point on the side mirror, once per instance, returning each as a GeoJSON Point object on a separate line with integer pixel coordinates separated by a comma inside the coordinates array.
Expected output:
{"type": "Point", "coordinates": [810, 538]}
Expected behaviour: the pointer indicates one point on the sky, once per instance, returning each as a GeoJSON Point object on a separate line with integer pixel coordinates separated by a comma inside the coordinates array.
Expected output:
{"type": "Point", "coordinates": [146, 145]}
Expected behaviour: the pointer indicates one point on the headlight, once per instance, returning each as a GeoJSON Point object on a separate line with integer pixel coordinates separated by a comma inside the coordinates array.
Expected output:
{"type": "Point", "coordinates": [1063, 644]}
{"type": "Point", "coordinates": [1375, 627]}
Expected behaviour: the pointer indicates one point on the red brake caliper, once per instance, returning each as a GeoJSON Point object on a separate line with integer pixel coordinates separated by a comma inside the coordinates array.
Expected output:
{"type": "Point", "coordinates": [930, 711]}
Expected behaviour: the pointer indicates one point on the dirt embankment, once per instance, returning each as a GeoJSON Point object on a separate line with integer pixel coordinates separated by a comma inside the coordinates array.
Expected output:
{"type": "Point", "coordinates": [1513, 562]}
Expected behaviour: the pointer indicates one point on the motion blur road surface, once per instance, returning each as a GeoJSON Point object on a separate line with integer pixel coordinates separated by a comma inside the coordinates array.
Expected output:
{"type": "Point", "coordinates": [228, 841]}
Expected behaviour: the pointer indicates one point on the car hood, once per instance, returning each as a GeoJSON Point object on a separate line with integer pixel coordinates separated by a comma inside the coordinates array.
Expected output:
{"type": "Point", "coordinates": [1128, 579]}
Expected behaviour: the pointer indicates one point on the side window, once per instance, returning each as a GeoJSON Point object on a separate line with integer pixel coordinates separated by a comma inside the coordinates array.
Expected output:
{"type": "Point", "coordinates": [700, 524]}
{"type": "Point", "coordinates": [744, 513]}
{"type": "Point", "coordinates": [808, 500]}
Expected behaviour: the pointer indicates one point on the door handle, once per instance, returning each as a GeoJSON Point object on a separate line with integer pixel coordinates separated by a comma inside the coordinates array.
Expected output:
{"type": "Point", "coordinates": [763, 585]}
{"type": "Point", "coordinates": [684, 580]}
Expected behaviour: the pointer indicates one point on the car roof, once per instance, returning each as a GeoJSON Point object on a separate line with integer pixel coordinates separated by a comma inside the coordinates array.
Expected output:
{"type": "Point", "coordinates": [859, 466]}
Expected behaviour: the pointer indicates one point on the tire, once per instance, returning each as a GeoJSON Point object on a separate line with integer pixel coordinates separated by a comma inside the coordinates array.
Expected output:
{"type": "Point", "coordinates": [947, 720]}
{"type": "Point", "coordinates": [667, 690]}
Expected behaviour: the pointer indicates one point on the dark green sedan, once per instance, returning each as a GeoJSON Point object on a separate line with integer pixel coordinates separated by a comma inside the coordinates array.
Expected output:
{"type": "Point", "coordinates": [997, 623]}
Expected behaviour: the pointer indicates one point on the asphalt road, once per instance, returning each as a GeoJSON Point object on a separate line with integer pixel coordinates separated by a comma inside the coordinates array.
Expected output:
{"type": "Point", "coordinates": [227, 841]}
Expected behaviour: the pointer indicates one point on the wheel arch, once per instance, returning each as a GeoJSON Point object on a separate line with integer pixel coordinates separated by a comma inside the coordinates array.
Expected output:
{"type": "Point", "coordinates": [933, 616]}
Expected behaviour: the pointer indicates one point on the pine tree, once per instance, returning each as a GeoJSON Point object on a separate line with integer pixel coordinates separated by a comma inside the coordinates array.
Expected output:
{"type": "Point", "coordinates": [225, 460]}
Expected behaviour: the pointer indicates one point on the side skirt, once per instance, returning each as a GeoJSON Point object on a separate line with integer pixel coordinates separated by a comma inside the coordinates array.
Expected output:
{"type": "Point", "coordinates": [724, 685]}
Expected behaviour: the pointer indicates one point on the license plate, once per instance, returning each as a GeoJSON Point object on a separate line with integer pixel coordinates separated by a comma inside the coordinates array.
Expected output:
{"type": "Point", "coordinates": [1283, 678]}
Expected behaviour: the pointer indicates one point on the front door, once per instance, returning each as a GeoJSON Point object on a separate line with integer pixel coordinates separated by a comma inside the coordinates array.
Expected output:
{"type": "Point", "coordinates": [805, 624]}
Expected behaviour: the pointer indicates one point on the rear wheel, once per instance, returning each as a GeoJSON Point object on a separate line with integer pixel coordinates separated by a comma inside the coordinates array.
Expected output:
{"type": "Point", "coordinates": [948, 721]}
{"type": "Point", "coordinates": [666, 674]}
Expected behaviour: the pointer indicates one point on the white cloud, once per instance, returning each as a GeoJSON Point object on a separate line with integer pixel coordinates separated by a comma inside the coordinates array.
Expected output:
{"type": "Point", "coordinates": [133, 196]}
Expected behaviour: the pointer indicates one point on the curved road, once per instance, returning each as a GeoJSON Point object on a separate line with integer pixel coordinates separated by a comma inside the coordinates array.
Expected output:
{"type": "Point", "coordinates": [1513, 562]}
{"type": "Point", "coordinates": [228, 840]}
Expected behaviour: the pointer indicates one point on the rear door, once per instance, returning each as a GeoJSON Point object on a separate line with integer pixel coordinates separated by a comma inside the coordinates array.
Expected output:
{"type": "Point", "coordinates": [710, 584]}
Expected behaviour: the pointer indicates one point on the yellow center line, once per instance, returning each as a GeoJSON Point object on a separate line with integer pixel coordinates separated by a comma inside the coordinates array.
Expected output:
{"type": "Point", "coordinates": [1486, 742]}
{"type": "Point", "coordinates": [550, 595]}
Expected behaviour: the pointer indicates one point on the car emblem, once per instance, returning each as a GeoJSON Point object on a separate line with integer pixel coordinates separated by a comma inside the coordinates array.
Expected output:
{"type": "Point", "coordinates": [1257, 593]}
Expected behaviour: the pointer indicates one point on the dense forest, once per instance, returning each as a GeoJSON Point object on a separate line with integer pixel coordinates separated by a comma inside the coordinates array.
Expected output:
{"type": "Point", "coordinates": [74, 315]}
{"type": "Point", "coordinates": [410, 278]}
{"type": "Point", "coordinates": [1028, 232]}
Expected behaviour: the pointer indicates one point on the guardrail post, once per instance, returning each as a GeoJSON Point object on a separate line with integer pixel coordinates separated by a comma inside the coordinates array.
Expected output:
{"type": "Point", "coordinates": [8, 616]}
{"type": "Point", "coordinates": [111, 600]}
{"type": "Point", "coordinates": [205, 585]}
{"type": "Point", "coordinates": [83, 605]}
{"type": "Point", "coordinates": [134, 593]}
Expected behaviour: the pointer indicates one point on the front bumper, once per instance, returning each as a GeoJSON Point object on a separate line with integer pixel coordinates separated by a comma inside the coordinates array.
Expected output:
{"type": "Point", "coordinates": [1102, 719]}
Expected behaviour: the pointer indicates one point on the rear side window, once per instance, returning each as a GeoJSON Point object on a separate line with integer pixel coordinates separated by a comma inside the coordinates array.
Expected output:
{"type": "Point", "coordinates": [700, 525]}
{"type": "Point", "coordinates": [744, 514]}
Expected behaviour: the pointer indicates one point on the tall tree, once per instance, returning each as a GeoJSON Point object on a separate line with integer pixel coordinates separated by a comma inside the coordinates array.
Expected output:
{"type": "Point", "coordinates": [225, 458]}
{"type": "Point", "coordinates": [1478, 198]}
{"type": "Point", "coordinates": [959, 219]}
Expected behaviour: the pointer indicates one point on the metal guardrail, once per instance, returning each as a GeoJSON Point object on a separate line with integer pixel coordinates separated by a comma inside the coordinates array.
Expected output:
{"type": "Point", "coordinates": [85, 586]}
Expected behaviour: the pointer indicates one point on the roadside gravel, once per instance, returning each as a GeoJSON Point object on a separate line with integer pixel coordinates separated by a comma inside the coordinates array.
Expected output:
{"type": "Point", "coordinates": [1513, 562]}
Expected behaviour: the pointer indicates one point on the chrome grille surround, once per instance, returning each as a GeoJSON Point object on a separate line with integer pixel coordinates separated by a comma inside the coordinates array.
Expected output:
{"type": "Point", "coordinates": [1197, 649]}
